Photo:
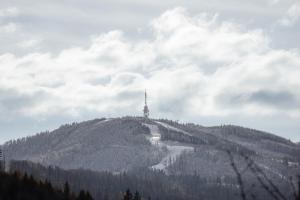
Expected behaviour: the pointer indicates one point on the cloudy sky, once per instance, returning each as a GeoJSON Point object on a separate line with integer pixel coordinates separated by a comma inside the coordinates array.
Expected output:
{"type": "Point", "coordinates": [209, 62]}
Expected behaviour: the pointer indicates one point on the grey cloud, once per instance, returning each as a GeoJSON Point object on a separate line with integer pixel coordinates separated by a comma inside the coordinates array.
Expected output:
{"type": "Point", "coordinates": [228, 99]}
{"type": "Point", "coordinates": [130, 96]}
{"type": "Point", "coordinates": [126, 79]}
{"type": "Point", "coordinates": [53, 84]}
{"type": "Point", "coordinates": [13, 101]}
{"type": "Point", "coordinates": [175, 105]}
{"type": "Point", "coordinates": [178, 102]}
{"type": "Point", "coordinates": [62, 24]}
{"type": "Point", "coordinates": [279, 99]}
{"type": "Point", "coordinates": [100, 80]}
{"type": "Point", "coordinates": [282, 99]}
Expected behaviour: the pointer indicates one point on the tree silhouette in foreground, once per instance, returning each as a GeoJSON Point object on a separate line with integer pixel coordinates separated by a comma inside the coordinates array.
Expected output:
{"type": "Point", "coordinates": [137, 196]}
{"type": "Point", "coordinates": [16, 186]}
{"type": "Point", "coordinates": [127, 195]}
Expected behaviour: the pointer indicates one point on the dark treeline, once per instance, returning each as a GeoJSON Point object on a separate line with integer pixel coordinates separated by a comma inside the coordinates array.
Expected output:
{"type": "Point", "coordinates": [18, 186]}
{"type": "Point", "coordinates": [153, 185]}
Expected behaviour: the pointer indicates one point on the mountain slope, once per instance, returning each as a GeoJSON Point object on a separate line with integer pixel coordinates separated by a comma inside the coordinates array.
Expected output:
{"type": "Point", "coordinates": [121, 144]}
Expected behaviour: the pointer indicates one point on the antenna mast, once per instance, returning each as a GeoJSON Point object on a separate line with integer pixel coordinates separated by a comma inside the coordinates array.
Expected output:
{"type": "Point", "coordinates": [146, 109]}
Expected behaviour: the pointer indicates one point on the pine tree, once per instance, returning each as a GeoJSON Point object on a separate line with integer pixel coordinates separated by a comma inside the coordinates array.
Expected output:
{"type": "Point", "coordinates": [137, 196]}
{"type": "Point", "coordinates": [81, 195]}
{"type": "Point", "coordinates": [127, 195]}
{"type": "Point", "coordinates": [88, 196]}
{"type": "Point", "coordinates": [84, 195]}
{"type": "Point", "coordinates": [66, 191]}
{"type": "Point", "coordinates": [298, 188]}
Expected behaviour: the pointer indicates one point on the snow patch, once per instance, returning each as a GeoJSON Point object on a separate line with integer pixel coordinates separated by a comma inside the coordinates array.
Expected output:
{"type": "Point", "coordinates": [293, 164]}
{"type": "Point", "coordinates": [173, 150]}
{"type": "Point", "coordinates": [103, 121]}
{"type": "Point", "coordinates": [155, 138]}
{"type": "Point", "coordinates": [167, 126]}
{"type": "Point", "coordinates": [173, 153]}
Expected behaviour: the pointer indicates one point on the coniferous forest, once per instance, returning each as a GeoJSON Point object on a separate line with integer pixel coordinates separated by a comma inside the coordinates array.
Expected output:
{"type": "Point", "coordinates": [18, 186]}
{"type": "Point", "coordinates": [142, 184]}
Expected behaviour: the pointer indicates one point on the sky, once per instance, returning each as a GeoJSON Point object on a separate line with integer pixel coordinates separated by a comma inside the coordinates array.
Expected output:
{"type": "Point", "coordinates": [207, 62]}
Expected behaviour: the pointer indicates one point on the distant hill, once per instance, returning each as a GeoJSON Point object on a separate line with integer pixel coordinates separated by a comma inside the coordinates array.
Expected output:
{"type": "Point", "coordinates": [122, 144]}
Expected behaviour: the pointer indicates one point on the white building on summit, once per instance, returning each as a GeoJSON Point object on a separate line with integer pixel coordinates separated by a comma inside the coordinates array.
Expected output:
{"type": "Point", "coordinates": [146, 110]}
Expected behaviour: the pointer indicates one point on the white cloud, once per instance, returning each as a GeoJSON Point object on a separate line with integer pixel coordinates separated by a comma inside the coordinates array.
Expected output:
{"type": "Point", "coordinates": [8, 28]}
{"type": "Point", "coordinates": [292, 15]}
{"type": "Point", "coordinates": [29, 43]}
{"type": "Point", "coordinates": [194, 66]}
{"type": "Point", "coordinates": [273, 2]}
{"type": "Point", "coordinates": [9, 12]}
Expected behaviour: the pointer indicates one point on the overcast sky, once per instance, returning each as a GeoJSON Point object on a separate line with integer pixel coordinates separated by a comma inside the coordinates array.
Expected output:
{"type": "Point", "coordinates": [208, 62]}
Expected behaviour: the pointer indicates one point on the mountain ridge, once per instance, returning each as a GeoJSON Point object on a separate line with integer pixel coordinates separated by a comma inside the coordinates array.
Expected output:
{"type": "Point", "coordinates": [122, 144]}
{"type": "Point", "coordinates": [166, 120]}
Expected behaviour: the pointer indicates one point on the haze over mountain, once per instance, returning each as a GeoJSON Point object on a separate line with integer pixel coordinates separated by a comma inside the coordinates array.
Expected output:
{"type": "Point", "coordinates": [122, 144]}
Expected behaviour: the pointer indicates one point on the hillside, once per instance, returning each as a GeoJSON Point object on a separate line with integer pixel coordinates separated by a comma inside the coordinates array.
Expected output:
{"type": "Point", "coordinates": [122, 144]}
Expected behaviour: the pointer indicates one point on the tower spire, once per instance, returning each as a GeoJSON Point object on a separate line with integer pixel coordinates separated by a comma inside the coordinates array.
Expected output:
{"type": "Point", "coordinates": [145, 97]}
{"type": "Point", "coordinates": [146, 110]}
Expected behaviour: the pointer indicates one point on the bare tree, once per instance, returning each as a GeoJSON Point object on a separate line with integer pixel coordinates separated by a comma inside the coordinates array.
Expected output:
{"type": "Point", "coordinates": [265, 182]}
{"type": "Point", "coordinates": [239, 176]}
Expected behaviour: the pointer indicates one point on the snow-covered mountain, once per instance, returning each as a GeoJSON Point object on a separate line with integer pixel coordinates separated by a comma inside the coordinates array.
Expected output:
{"type": "Point", "coordinates": [121, 144]}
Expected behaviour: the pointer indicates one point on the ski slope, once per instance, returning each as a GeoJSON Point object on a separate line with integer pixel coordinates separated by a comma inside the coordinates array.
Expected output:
{"type": "Point", "coordinates": [173, 150]}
